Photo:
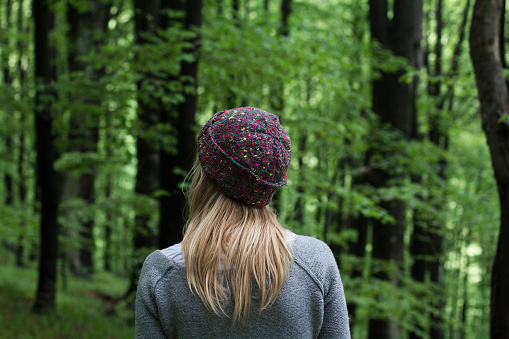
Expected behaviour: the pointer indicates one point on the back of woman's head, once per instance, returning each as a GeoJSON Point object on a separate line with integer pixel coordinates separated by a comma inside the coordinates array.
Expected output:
{"type": "Point", "coordinates": [233, 242]}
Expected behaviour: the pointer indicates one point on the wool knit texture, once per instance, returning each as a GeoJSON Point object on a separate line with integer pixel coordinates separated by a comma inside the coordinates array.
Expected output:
{"type": "Point", "coordinates": [311, 303]}
{"type": "Point", "coordinates": [246, 152]}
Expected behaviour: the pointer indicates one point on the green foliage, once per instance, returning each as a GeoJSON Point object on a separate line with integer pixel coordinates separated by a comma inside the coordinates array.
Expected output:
{"type": "Point", "coordinates": [318, 80]}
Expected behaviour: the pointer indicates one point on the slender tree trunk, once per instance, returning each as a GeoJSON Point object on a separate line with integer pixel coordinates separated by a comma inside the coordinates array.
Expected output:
{"type": "Point", "coordinates": [108, 229]}
{"type": "Point", "coordinates": [465, 285]}
{"type": "Point", "coordinates": [147, 176]}
{"type": "Point", "coordinates": [22, 194]}
{"type": "Point", "coordinates": [219, 4]}
{"type": "Point", "coordinates": [502, 36]}
{"type": "Point", "coordinates": [235, 9]}
{"type": "Point", "coordinates": [433, 230]}
{"type": "Point", "coordinates": [84, 131]}
{"type": "Point", "coordinates": [232, 100]}
{"type": "Point", "coordinates": [350, 220]}
{"type": "Point", "coordinates": [298, 212]}
{"type": "Point", "coordinates": [276, 98]}
{"type": "Point", "coordinates": [172, 225]}
{"type": "Point", "coordinates": [393, 102]}
{"type": "Point", "coordinates": [108, 143]}
{"type": "Point", "coordinates": [297, 216]}
{"type": "Point", "coordinates": [172, 203]}
{"type": "Point", "coordinates": [7, 78]}
{"type": "Point", "coordinates": [286, 9]}
{"type": "Point", "coordinates": [22, 178]}
{"type": "Point", "coordinates": [8, 179]}
{"type": "Point", "coordinates": [430, 254]}
{"type": "Point", "coordinates": [46, 154]}
{"type": "Point", "coordinates": [419, 250]}
{"type": "Point", "coordinates": [493, 96]}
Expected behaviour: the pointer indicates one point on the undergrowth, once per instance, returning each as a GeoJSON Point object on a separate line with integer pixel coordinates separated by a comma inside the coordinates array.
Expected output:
{"type": "Point", "coordinates": [85, 308]}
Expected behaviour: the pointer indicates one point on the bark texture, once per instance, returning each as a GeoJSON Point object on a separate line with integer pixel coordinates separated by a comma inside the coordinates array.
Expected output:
{"type": "Point", "coordinates": [46, 154]}
{"type": "Point", "coordinates": [394, 102]}
{"type": "Point", "coordinates": [493, 97]}
{"type": "Point", "coordinates": [173, 166]}
{"type": "Point", "coordinates": [147, 175]}
{"type": "Point", "coordinates": [84, 131]}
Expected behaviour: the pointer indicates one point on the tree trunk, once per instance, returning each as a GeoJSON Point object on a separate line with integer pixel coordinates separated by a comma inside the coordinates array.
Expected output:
{"type": "Point", "coordinates": [276, 98]}
{"type": "Point", "coordinates": [172, 206]}
{"type": "Point", "coordinates": [46, 154]}
{"type": "Point", "coordinates": [108, 244]}
{"type": "Point", "coordinates": [84, 131]}
{"type": "Point", "coordinates": [502, 36]}
{"type": "Point", "coordinates": [427, 240]}
{"type": "Point", "coordinates": [393, 102]}
{"type": "Point", "coordinates": [7, 78]}
{"type": "Point", "coordinates": [22, 178]}
{"type": "Point", "coordinates": [298, 212]}
{"type": "Point", "coordinates": [171, 203]}
{"type": "Point", "coordinates": [109, 142]}
{"type": "Point", "coordinates": [493, 97]}
{"type": "Point", "coordinates": [147, 176]}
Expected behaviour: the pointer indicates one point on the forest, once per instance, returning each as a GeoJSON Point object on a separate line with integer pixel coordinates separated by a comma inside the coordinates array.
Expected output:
{"type": "Point", "coordinates": [398, 113]}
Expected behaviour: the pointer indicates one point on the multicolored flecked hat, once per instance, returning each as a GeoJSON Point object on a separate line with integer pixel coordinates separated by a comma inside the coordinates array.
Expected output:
{"type": "Point", "coordinates": [246, 152]}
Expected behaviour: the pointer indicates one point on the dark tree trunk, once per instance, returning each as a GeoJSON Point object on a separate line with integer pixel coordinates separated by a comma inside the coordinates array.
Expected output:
{"type": "Point", "coordinates": [429, 262]}
{"type": "Point", "coordinates": [351, 220]}
{"type": "Point", "coordinates": [358, 249]}
{"type": "Point", "coordinates": [22, 194]}
{"type": "Point", "coordinates": [330, 214]}
{"type": "Point", "coordinates": [147, 176]}
{"type": "Point", "coordinates": [219, 4]}
{"type": "Point", "coordinates": [46, 154]}
{"type": "Point", "coordinates": [493, 97]}
{"type": "Point", "coordinates": [439, 136]}
{"type": "Point", "coordinates": [298, 211]}
{"type": "Point", "coordinates": [172, 206]}
{"type": "Point", "coordinates": [393, 102]}
{"type": "Point", "coordinates": [108, 145]}
{"type": "Point", "coordinates": [108, 228]}
{"type": "Point", "coordinates": [8, 176]}
{"type": "Point", "coordinates": [8, 179]}
{"type": "Point", "coordinates": [22, 179]}
{"type": "Point", "coordinates": [419, 250]}
{"type": "Point", "coordinates": [5, 49]}
{"type": "Point", "coordinates": [84, 131]}
{"type": "Point", "coordinates": [425, 247]}
{"type": "Point", "coordinates": [231, 99]}
{"type": "Point", "coordinates": [286, 9]}
{"type": "Point", "coordinates": [235, 9]}
{"type": "Point", "coordinates": [276, 98]}
{"type": "Point", "coordinates": [502, 36]}
{"type": "Point", "coordinates": [297, 215]}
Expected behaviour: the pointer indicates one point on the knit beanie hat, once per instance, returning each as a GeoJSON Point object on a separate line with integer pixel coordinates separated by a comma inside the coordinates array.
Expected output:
{"type": "Point", "coordinates": [246, 152]}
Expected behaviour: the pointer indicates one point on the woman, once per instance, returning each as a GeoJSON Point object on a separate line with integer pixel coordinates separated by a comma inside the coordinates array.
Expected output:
{"type": "Point", "coordinates": [238, 273]}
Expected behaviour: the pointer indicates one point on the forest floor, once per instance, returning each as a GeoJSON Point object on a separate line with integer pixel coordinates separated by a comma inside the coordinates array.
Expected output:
{"type": "Point", "coordinates": [85, 308]}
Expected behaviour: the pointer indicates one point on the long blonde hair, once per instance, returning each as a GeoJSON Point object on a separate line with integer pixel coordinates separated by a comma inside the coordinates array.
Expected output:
{"type": "Point", "coordinates": [228, 246]}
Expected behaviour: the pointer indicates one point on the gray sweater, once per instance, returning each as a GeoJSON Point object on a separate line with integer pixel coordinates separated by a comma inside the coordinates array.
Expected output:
{"type": "Point", "coordinates": [311, 303]}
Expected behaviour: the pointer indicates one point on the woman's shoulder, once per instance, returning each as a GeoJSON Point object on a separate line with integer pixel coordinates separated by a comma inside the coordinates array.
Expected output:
{"type": "Point", "coordinates": [315, 257]}
{"type": "Point", "coordinates": [160, 262]}
{"type": "Point", "coordinates": [166, 258]}
{"type": "Point", "coordinates": [174, 254]}
{"type": "Point", "coordinates": [312, 248]}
